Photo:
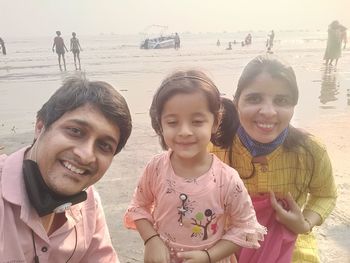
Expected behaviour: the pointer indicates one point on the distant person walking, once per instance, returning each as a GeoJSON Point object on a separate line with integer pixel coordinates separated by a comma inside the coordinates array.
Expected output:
{"type": "Point", "coordinates": [269, 42]}
{"type": "Point", "coordinates": [75, 48]}
{"type": "Point", "coordinates": [58, 43]}
{"type": "Point", "coordinates": [336, 35]}
{"type": "Point", "coordinates": [218, 43]}
{"type": "Point", "coordinates": [2, 46]}
{"type": "Point", "coordinates": [177, 41]}
{"type": "Point", "coordinates": [248, 39]}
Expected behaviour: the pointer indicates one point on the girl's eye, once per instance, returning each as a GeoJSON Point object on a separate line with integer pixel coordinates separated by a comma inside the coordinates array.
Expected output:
{"type": "Point", "coordinates": [171, 123]}
{"type": "Point", "coordinates": [197, 122]}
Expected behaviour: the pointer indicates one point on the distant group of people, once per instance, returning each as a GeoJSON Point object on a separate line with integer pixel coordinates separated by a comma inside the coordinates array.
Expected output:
{"type": "Point", "coordinates": [337, 34]}
{"type": "Point", "coordinates": [248, 41]}
{"type": "Point", "coordinates": [60, 47]}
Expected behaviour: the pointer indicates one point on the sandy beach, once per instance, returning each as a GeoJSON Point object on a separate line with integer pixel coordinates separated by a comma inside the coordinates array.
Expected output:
{"type": "Point", "coordinates": [323, 109]}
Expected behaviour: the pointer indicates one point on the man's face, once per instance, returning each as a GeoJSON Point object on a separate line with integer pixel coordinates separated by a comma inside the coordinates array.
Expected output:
{"type": "Point", "coordinates": [76, 150]}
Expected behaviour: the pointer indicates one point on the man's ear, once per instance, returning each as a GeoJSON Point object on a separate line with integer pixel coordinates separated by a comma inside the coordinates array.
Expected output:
{"type": "Point", "coordinates": [39, 128]}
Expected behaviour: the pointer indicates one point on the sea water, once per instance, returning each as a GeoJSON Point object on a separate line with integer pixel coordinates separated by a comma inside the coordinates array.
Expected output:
{"type": "Point", "coordinates": [29, 73]}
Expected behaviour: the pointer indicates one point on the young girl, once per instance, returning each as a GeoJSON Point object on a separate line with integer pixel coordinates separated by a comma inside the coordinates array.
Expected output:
{"type": "Point", "coordinates": [272, 156]}
{"type": "Point", "coordinates": [188, 205]}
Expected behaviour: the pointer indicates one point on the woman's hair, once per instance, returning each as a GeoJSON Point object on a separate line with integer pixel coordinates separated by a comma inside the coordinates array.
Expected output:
{"type": "Point", "coordinates": [334, 24]}
{"type": "Point", "coordinates": [183, 82]}
{"type": "Point", "coordinates": [76, 92]}
{"type": "Point", "coordinates": [274, 67]}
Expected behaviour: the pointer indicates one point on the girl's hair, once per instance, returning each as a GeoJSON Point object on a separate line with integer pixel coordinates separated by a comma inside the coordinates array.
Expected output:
{"type": "Point", "coordinates": [187, 82]}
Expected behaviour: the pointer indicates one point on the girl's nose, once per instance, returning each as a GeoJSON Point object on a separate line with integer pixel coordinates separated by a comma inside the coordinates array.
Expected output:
{"type": "Point", "coordinates": [185, 130]}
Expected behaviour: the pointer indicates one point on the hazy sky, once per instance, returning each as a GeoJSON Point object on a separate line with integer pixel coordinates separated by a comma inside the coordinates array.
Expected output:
{"type": "Point", "coordinates": [44, 17]}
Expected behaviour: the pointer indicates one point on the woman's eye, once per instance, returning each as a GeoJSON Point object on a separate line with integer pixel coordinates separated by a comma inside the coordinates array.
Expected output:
{"type": "Point", "coordinates": [253, 99]}
{"type": "Point", "coordinates": [283, 101]}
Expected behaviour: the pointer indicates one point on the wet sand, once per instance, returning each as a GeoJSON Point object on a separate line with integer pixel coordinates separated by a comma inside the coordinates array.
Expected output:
{"type": "Point", "coordinates": [117, 186]}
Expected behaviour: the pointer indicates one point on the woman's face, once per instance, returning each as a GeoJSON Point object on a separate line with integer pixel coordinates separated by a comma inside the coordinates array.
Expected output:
{"type": "Point", "coordinates": [265, 108]}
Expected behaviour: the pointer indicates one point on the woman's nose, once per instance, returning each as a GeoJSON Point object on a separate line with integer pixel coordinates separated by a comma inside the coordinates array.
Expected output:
{"type": "Point", "coordinates": [268, 109]}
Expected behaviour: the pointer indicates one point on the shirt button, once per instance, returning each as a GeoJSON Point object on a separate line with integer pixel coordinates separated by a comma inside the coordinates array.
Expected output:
{"type": "Point", "coordinates": [44, 249]}
{"type": "Point", "coordinates": [264, 168]}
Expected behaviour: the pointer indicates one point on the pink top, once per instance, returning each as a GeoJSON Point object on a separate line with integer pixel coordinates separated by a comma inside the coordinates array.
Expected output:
{"type": "Point", "coordinates": [191, 214]}
{"type": "Point", "coordinates": [18, 218]}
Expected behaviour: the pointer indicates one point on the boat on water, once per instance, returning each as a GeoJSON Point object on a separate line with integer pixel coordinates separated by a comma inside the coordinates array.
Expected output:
{"type": "Point", "coordinates": [154, 40]}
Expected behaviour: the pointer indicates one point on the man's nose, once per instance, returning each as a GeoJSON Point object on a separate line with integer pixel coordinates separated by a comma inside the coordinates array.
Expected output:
{"type": "Point", "coordinates": [86, 152]}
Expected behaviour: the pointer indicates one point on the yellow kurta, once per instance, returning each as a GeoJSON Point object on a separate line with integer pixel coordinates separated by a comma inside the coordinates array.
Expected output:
{"type": "Point", "coordinates": [306, 175]}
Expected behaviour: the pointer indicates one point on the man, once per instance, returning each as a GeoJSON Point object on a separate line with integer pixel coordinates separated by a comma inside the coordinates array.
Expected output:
{"type": "Point", "coordinates": [58, 43]}
{"type": "Point", "coordinates": [177, 41]}
{"type": "Point", "coordinates": [49, 209]}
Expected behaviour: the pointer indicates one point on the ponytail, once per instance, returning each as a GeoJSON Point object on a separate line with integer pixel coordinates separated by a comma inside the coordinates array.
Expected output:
{"type": "Point", "coordinates": [228, 125]}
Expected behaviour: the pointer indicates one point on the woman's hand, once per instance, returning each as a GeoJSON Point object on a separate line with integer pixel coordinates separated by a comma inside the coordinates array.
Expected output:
{"type": "Point", "coordinates": [156, 251]}
{"type": "Point", "coordinates": [293, 218]}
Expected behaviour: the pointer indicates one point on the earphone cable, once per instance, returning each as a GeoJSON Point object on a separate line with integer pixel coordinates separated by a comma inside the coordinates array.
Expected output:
{"type": "Point", "coordinates": [76, 242]}
{"type": "Point", "coordinates": [36, 258]}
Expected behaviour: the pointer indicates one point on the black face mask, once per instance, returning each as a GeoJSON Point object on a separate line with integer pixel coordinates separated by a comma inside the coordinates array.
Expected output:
{"type": "Point", "coordinates": [43, 199]}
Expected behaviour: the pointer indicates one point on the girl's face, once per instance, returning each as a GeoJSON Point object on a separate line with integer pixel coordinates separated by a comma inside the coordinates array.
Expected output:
{"type": "Point", "coordinates": [187, 125]}
{"type": "Point", "coordinates": [265, 108]}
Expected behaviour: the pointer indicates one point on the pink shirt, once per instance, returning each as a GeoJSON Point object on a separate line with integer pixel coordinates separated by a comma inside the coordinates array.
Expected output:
{"type": "Point", "coordinates": [214, 206]}
{"type": "Point", "coordinates": [18, 218]}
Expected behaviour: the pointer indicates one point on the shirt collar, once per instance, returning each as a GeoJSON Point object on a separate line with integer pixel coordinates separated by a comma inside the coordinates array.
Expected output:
{"type": "Point", "coordinates": [14, 191]}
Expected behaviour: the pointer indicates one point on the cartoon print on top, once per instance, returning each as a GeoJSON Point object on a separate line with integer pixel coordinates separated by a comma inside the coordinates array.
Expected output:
{"type": "Point", "coordinates": [200, 229]}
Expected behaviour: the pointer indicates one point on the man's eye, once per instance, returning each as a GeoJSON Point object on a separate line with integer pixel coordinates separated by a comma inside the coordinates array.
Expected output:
{"type": "Point", "coordinates": [74, 131]}
{"type": "Point", "coordinates": [106, 147]}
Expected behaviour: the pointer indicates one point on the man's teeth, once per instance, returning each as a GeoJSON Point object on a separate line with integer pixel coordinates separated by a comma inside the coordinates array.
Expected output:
{"type": "Point", "coordinates": [265, 126]}
{"type": "Point", "coordinates": [73, 168]}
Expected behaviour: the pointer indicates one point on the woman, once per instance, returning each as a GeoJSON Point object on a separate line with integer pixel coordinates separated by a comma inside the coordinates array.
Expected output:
{"type": "Point", "coordinates": [334, 41]}
{"type": "Point", "coordinates": [277, 162]}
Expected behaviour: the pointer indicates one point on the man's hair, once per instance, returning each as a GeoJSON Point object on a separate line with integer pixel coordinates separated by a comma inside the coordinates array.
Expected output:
{"type": "Point", "coordinates": [76, 92]}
